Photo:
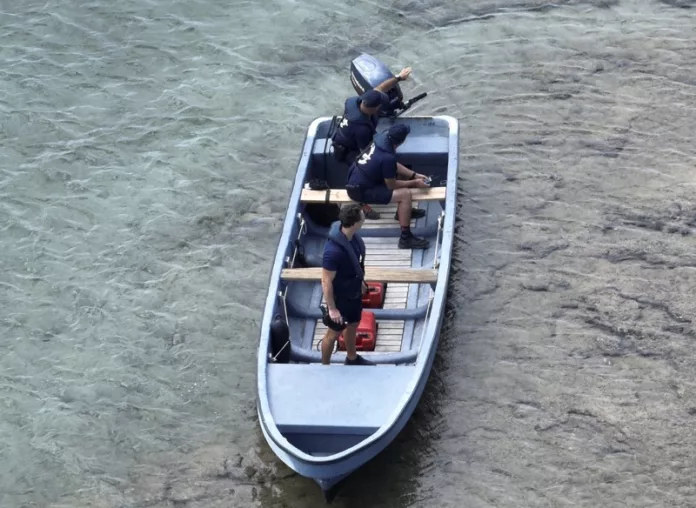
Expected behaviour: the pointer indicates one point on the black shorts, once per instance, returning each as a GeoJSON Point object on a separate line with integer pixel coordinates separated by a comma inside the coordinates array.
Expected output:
{"type": "Point", "coordinates": [379, 195]}
{"type": "Point", "coordinates": [351, 311]}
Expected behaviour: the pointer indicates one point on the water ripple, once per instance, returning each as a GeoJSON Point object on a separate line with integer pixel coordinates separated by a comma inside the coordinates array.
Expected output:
{"type": "Point", "coordinates": [148, 154]}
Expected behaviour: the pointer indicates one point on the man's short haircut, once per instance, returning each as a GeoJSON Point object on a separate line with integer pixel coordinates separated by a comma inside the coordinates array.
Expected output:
{"type": "Point", "coordinates": [350, 215]}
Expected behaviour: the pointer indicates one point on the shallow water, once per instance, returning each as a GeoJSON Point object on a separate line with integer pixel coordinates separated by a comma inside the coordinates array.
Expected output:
{"type": "Point", "coordinates": [148, 150]}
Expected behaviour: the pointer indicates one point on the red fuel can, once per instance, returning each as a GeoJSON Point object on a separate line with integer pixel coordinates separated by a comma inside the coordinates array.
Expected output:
{"type": "Point", "coordinates": [366, 337]}
{"type": "Point", "coordinates": [374, 298]}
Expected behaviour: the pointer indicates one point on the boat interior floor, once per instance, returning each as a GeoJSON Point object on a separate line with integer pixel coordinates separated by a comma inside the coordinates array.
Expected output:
{"type": "Point", "coordinates": [401, 319]}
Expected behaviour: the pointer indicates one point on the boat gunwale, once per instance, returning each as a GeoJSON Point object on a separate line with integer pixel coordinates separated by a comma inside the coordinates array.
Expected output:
{"type": "Point", "coordinates": [432, 328]}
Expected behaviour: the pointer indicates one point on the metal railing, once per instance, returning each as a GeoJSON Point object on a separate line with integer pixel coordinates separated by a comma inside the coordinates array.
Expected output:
{"type": "Point", "coordinates": [440, 221]}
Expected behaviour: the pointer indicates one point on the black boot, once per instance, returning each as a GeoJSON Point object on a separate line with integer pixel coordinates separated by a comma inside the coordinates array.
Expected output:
{"type": "Point", "coordinates": [408, 241]}
{"type": "Point", "coordinates": [416, 213]}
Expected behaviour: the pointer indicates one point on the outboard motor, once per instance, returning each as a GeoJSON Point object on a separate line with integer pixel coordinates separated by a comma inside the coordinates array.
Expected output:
{"type": "Point", "coordinates": [366, 72]}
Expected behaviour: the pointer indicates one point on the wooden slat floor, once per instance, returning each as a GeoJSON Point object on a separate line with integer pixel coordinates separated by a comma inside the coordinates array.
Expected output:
{"type": "Point", "coordinates": [386, 219]}
{"type": "Point", "coordinates": [383, 252]}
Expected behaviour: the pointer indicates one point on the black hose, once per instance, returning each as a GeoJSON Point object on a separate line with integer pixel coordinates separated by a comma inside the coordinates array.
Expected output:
{"type": "Point", "coordinates": [335, 349]}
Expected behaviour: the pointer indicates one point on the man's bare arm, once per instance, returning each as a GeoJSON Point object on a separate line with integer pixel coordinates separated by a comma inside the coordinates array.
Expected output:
{"type": "Point", "coordinates": [327, 278]}
{"type": "Point", "coordinates": [388, 84]}
{"type": "Point", "coordinates": [403, 171]}
{"type": "Point", "coordinates": [408, 174]}
{"type": "Point", "coordinates": [393, 183]}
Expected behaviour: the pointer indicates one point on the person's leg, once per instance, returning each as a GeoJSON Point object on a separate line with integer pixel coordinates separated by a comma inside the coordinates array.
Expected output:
{"type": "Point", "coordinates": [416, 213]}
{"type": "Point", "coordinates": [352, 356]}
{"type": "Point", "coordinates": [403, 200]}
{"type": "Point", "coordinates": [327, 345]}
{"type": "Point", "coordinates": [352, 313]}
{"type": "Point", "coordinates": [349, 338]}
{"type": "Point", "coordinates": [333, 330]}
{"type": "Point", "coordinates": [407, 241]}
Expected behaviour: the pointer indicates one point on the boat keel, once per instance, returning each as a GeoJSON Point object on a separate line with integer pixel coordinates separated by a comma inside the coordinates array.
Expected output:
{"type": "Point", "coordinates": [330, 494]}
{"type": "Point", "coordinates": [330, 487]}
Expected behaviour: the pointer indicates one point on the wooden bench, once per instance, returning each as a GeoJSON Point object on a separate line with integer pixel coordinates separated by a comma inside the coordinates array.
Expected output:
{"type": "Point", "coordinates": [341, 196]}
{"type": "Point", "coordinates": [407, 275]}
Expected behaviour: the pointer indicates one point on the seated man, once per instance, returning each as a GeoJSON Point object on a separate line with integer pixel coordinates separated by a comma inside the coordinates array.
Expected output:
{"type": "Point", "coordinates": [359, 122]}
{"type": "Point", "coordinates": [342, 281]}
{"type": "Point", "coordinates": [360, 117]}
{"type": "Point", "coordinates": [372, 179]}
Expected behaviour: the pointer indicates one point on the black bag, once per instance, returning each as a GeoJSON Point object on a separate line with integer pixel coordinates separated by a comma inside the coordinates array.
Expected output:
{"type": "Point", "coordinates": [328, 322]}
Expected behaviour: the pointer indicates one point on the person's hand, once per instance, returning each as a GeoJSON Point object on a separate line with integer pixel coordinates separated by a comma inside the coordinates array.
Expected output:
{"type": "Point", "coordinates": [422, 177]}
{"type": "Point", "coordinates": [405, 73]}
{"type": "Point", "coordinates": [420, 184]}
{"type": "Point", "coordinates": [335, 316]}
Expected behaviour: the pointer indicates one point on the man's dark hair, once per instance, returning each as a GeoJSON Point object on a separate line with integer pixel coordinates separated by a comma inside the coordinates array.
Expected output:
{"type": "Point", "coordinates": [350, 215]}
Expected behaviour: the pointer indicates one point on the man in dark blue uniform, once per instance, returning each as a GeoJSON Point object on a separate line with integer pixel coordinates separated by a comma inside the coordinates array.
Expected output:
{"type": "Point", "coordinates": [343, 284]}
{"type": "Point", "coordinates": [360, 117]}
{"type": "Point", "coordinates": [359, 123]}
{"type": "Point", "coordinates": [372, 179]}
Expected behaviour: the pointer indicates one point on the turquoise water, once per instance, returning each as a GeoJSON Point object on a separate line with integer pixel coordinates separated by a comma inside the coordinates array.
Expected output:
{"type": "Point", "coordinates": [148, 150]}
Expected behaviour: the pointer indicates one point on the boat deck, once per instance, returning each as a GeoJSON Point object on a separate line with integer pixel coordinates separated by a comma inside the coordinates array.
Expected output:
{"type": "Point", "coordinates": [382, 252]}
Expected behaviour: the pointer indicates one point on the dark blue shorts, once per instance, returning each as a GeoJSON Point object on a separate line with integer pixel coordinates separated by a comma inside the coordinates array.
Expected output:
{"type": "Point", "coordinates": [351, 311]}
{"type": "Point", "coordinates": [379, 195]}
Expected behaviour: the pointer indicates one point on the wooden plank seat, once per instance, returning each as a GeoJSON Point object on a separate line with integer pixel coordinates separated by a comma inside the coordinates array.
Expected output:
{"type": "Point", "coordinates": [341, 196]}
{"type": "Point", "coordinates": [409, 275]}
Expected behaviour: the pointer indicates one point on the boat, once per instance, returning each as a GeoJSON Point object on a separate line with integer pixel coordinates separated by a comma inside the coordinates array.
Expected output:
{"type": "Point", "coordinates": [326, 421]}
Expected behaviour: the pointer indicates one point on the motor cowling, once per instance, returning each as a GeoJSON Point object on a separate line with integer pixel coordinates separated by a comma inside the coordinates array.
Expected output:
{"type": "Point", "coordinates": [366, 72]}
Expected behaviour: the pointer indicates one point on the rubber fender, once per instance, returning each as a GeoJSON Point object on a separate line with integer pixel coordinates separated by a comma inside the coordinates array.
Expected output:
{"type": "Point", "coordinates": [280, 340]}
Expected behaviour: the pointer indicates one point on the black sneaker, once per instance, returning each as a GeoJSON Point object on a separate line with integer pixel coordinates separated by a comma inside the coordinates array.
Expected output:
{"type": "Point", "coordinates": [416, 213]}
{"type": "Point", "coordinates": [370, 213]}
{"type": "Point", "coordinates": [359, 360]}
{"type": "Point", "coordinates": [412, 242]}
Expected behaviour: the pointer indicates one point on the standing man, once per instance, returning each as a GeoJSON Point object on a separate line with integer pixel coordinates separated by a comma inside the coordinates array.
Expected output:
{"type": "Point", "coordinates": [343, 284]}
{"type": "Point", "coordinates": [359, 123]}
{"type": "Point", "coordinates": [372, 179]}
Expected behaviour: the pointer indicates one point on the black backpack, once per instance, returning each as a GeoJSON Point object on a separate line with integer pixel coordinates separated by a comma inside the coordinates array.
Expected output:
{"type": "Point", "coordinates": [324, 214]}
